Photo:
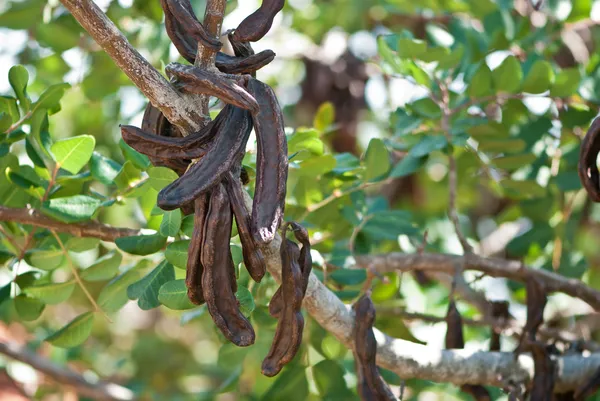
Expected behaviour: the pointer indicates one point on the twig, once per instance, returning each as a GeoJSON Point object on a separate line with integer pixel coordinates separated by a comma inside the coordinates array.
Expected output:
{"type": "Point", "coordinates": [88, 229]}
{"type": "Point", "coordinates": [85, 387]}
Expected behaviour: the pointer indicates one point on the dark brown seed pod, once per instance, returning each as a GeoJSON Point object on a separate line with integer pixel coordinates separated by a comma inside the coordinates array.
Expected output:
{"type": "Point", "coordinates": [204, 82]}
{"type": "Point", "coordinates": [371, 386]}
{"type": "Point", "coordinates": [253, 256]}
{"type": "Point", "coordinates": [499, 311]}
{"type": "Point", "coordinates": [305, 262]}
{"type": "Point", "coordinates": [536, 303]}
{"type": "Point", "coordinates": [243, 65]}
{"type": "Point", "coordinates": [271, 164]}
{"type": "Point", "coordinates": [193, 273]}
{"type": "Point", "coordinates": [544, 374]}
{"type": "Point", "coordinates": [257, 24]}
{"type": "Point", "coordinates": [185, 44]}
{"type": "Point", "coordinates": [218, 278]}
{"type": "Point", "coordinates": [240, 49]}
{"type": "Point", "coordinates": [225, 152]}
{"type": "Point", "coordinates": [587, 166]}
{"type": "Point", "coordinates": [288, 335]}
{"type": "Point", "coordinates": [183, 12]}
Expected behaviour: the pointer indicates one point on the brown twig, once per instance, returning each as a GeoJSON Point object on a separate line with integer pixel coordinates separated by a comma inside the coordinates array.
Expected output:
{"type": "Point", "coordinates": [95, 390]}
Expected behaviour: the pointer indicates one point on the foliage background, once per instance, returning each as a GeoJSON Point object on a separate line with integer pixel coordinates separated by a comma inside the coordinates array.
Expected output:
{"type": "Point", "coordinates": [375, 136]}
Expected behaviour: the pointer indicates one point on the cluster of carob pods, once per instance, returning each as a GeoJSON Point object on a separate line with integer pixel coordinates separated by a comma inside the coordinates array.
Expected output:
{"type": "Point", "coordinates": [210, 186]}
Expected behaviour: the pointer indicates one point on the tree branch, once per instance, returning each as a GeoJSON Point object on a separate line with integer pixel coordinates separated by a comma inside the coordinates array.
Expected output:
{"type": "Point", "coordinates": [97, 390]}
{"type": "Point", "coordinates": [88, 229]}
{"type": "Point", "coordinates": [513, 270]}
{"type": "Point", "coordinates": [180, 109]}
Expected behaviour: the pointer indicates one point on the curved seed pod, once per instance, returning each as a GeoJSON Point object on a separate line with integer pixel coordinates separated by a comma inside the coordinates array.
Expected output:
{"type": "Point", "coordinates": [240, 49]}
{"type": "Point", "coordinates": [193, 273]}
{"type": "Point", "coordinates": [499, 311]}
{"type": "Point", "coordinates": [288, 335]}
{"type": "Point", "coordinates": [185, 44]}
{"type": "Point", "coordinates": [253, 256]}
{"type": "Point", "coordinates": [257, 24]}
{"type": "Point", "coordinates": [455, 340]}
{"type": "Point", "coordinates": [305, 261]}
{"type": "Point", "coordinates": [243, 65]}
{"type": "Point", "coordinates": [370, 384]}
{"type": "Point", "coordinates": [544, 372]}
{"type": "Point", "coordinates": [226, 150]}
{"type": "Point", "coordinates": [271, 164]}
{"type": "Point", "coordinates": [183, 12]}
{"type": "Point", "coordinates": [204, 82]}
{"type": "Point", "coordinates": [587, 166]}
{"type": "Point", "coordinates": [218, 278]}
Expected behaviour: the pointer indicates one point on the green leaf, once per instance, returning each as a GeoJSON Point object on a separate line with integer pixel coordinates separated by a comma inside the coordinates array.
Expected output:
{"type": "Point", "coordinates": [177, 253]}
{"type": "Point", "coordinates": [411, 48]}
{"type": "Point", "coordinates": [104, 169]}
{"type": "Point", "coordinates": [246, 300]}
{"type": "Point", "coordinates": [514, 162]}
{"type": "Point", "coordinates": [22, 14]}
{"type": "Point", "coordinates": [387, 54]}
{"type": "Point", "coordinates": [76, 244]}
{"type": "Point", "coordinates": [290, 384]}
{"type": "Point", "coordinates": [187, 225]}
{"type": "Point", "coordinates": [114, 295]}
{"type": "Point", "coordinates": [71, 209]}
{"type": "Point", "coordinates": [316, 166]}
{"type": "Point", "coordinates": [141, 244]}
{"type": "Point", "coordinates": [526, 189]}
{"type": "Point", "coordinates": [508, 75]}
{"type": "Point", "coordinates": [324, 117]}
{"type": "Point", "coordinates": [160, 177]}
{"type": "Point", "coordinates": [482, 82]}
{"type": "Point", "coordinates": [74, 333]}
{"type": "Point", "coordinates": [139, 160]}
{"type": "Point", "coordinates": [128, 177]}
{"type": "Point", "coordinates": [5, 121]}
{"type": "Point", "coordinates": [566, 82]}
{"type": "Point", "coordinates": [18, 78]}
{"type": "Point", "coordinates": [169, 227]}
{"type": "Point", "coordinates": [386, 291]}
{"type": "Point", "coordinates": [72, 154]}
{"type": "Point", "coordinates": [51, 294]}
{"type": "Point", "coordinates": [27, 308]}
{"type": "Point", "coordinates": [305, 140]}
{"type": "Point", "coordinates": [539, 78]}
{"type": "Point", "coordinates": [407, 166]}
{"type": "Point", "coordinates": [146, 290]}
{"type": "Point", "coordinates": [51, 97]}
{"type": "Point", "coordinates": [104, 268]}
{"type": "Point", "coordinates": [428, 144]}
{"type": "Point", "coordinates": [173, 295]}
{"type": "Point", "coordinates": [44, 259]}
{"type": "Point", "coordinates": [329, 378]}
{"type": "Point", "coordinates": [377, 160]}
{"type": "Point", "coordinates": [348, 276]}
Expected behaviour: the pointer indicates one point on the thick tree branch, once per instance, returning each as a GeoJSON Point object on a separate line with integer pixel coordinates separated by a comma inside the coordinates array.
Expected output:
{"type": "Point", "coordinates": [88, 229]}
{"type": "Point", "coordinates": [181, 110]}
{"type": "Point", "coordinates": [493, 267]}
{"type": "Point", "coordinates": [85, 387]}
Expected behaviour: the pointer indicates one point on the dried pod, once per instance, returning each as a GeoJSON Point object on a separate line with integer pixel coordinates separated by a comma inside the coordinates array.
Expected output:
{"type": "Point", "coordinates": [243, 65]}
{"type": "Point", "coordinates": [536, 302]}
{"type": "Point", "coordinates": [183, 13]}
{"type": "Point", "coordinates": [193, 273]}
{"type": "Point", "coordinates": [204, 82]}
{"type": "Point", "coordinates": [371, 385]}
{"type": "Point", "coordinates": [253, 256]}
{"type": "Point", "coordinates": [257, 24]}
{"type": "Point", "coordinates": [218, 277]}
{"type": "Point", "coordinates": [499, 311]}
{"type": "Point", "coordinates": [544, 372]}
{"type": "Point", "coordinates": [185, 44]}
{"type": "Point", "coordinates": [305, 262]}
{"type": "Point", "coordinates": [288, 335]}
{"type": "Point", "coordinates": [240, 49]}
{"type": "Point", "coordinates": [588, 155]}
{"type": "Point", "coordinates": [226, 150]}
{"type": "Point", "coordinates": [271, 164]}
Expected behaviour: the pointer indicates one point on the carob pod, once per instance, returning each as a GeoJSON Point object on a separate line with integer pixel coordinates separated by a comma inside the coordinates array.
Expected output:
{"type": "Point", "coordinates": [271, 164]}
{"type": "Point", "coordinates": [243, 65]}
{"type": "Point", "coordinates": [183, 12]}
{"type": "Point", "coordinates": [499, 311]}
{"type": "Point", "coordinates": [288, 335]}
{"type": "Point", "coordinates": [544, 373]}
{"type": "Point", "coordinates": [253, 256]}
{"type": "Point", "coordinates": [203, 82]}
{"type": "Point", "coordinates": [218, 277]}
{"type": "Point", "coordinates": [587, 166]}
{"type": "Point", "coordinates": [226, 150]}
{"type": "Point", "coordinates": [194, 269]}
{"type": "Point", "coordinates": [257, 24]}
{"type": "Point", "coordinates": [185, 44]}
{"type": "Point", "coordinates": [240, 49]}
{"type": "Point", "coordinates": [455, 340]}
{"type": "Point", "coordinates": [305, 261]}
{"type": "Point", "coordinates": [371, 386]}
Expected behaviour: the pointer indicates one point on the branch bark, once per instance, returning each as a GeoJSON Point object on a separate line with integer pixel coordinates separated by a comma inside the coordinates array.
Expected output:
{"type": "Point", "coordinates": [513, 270]}
{"type": "Point", "coordinates": [88, 229]}
{"type": "Point", "coordinates": [97, 390]}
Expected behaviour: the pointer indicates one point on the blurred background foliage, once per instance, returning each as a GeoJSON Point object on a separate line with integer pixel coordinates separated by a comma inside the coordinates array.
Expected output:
{"type": "Point", "coordinates": [361, 83]}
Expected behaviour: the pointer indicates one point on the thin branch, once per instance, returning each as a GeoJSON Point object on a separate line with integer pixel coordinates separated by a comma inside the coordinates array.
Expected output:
{"type": "Point", "coordinates": [85, 387]}
{"type": "Point", "coordinates": [181, 110]}
{"type": "Point", "coordinates": [88, 229]}
{"type": "Point", "coordinates": [494, 267]}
